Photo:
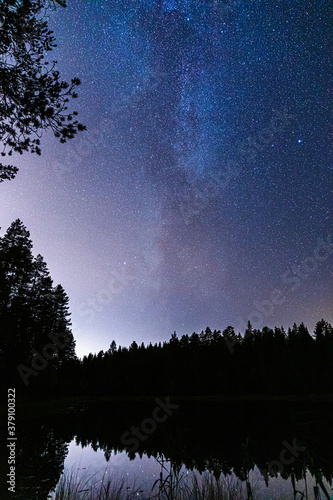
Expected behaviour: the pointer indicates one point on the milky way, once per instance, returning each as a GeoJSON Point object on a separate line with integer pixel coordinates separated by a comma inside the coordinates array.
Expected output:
{"type": "Point", "coordinates": [201, 193]}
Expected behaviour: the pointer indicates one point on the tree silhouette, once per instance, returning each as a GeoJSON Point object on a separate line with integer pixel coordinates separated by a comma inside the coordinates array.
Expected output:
{"type": "Point", "coordinates": [16, 268]}
{"type": "Point", "coordinates": [34, 316]}
{"type": "Point", "coordinates": [259, 362]}
{"type": "Point", "coordinates": [33, 98]}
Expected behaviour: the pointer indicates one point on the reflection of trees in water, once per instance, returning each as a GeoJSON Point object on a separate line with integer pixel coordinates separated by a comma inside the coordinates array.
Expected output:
{"type": "Point", "coordinates": [40, 456]}
{"type": "Point", "coordinates": [226, 438]}
{"type": "Point", "coordinates": [218, 437]}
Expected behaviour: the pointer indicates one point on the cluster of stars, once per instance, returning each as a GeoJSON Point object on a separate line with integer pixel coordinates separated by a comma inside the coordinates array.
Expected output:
{"type": "Point", "coordinates": [183, 89]}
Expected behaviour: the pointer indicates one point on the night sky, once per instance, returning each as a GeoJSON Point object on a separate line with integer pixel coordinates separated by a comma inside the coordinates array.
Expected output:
{"type": "Point", "coordinates": [201, 192]}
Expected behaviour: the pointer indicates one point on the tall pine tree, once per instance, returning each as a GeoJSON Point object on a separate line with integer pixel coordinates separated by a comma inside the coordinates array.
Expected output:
{"type": "Point", "coordinates": [16, 267]}
{"type": "Point", "coordinates": [33, 313]}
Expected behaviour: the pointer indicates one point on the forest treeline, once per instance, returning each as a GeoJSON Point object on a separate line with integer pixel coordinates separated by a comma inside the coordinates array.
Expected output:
{"type": "Point", "coordinates": [267, 361]}
{"type": "Point", "coordinates": [37, 347]}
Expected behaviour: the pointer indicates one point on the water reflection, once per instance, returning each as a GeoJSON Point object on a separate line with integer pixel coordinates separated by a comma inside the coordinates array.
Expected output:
{"type": "Point", "coordinates": [277, 439]}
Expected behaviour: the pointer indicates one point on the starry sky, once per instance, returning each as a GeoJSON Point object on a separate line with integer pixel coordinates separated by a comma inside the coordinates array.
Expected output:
{"type": "Point", "coordinates": [201, 192]}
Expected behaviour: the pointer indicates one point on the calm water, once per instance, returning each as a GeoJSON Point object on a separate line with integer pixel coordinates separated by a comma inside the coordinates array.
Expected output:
{"type": "Point", "coordinates": [244, 442]}
{"type": "Point", "coordinates": [143, 471]}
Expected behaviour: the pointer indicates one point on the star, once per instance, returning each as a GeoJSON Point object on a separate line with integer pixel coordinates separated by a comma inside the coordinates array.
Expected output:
{"type": "Point", "coordinates": [196, 113]}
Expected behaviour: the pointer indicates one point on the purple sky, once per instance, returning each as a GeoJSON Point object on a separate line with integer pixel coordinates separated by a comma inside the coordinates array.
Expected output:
{"type": "Point", "coordinates": [200, 192]}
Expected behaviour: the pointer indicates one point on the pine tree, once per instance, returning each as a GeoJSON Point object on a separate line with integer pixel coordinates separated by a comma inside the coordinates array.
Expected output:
{"type": "Point", "coordinates": [34, 315]}
{"type": "Point", "coordinates": [41, 301]}
{"type": "Point", "coordinates": [16, 268]}
{"type": "Point", "coordinates": [62, 323]}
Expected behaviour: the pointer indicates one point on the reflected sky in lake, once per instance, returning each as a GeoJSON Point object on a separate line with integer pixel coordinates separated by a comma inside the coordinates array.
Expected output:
{"type": "Point", "coordinates": [236, 440]}
{"type": "Point", "coordinates": [87, 461]}
{"type": "Point", "coordinates": [142, 473]}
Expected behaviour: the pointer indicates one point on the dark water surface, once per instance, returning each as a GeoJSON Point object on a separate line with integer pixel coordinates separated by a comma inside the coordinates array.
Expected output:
{"type": "Point", "coordinates": [247, 441]}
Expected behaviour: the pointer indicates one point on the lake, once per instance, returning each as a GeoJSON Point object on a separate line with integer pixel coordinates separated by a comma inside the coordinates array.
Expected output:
{"type": "Point", "coordinates": [256, 450]}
